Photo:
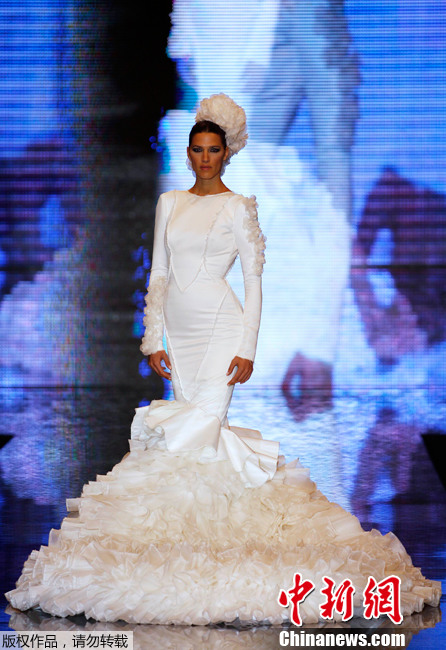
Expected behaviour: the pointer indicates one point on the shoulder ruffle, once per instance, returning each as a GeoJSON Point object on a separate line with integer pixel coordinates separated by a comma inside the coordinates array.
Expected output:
{"type": "Point", "coordinates": [255, 234]}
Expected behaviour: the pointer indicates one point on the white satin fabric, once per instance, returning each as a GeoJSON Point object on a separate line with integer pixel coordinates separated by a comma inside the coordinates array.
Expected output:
{"type": "Point", "coordinates": [186, 427]}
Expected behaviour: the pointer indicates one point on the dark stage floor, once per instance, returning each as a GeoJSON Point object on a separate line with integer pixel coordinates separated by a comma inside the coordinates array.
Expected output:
{"type": "Point", "coordinates": [373, 452]}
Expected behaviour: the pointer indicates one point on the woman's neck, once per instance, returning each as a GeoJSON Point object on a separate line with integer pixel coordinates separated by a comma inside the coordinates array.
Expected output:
{"type": "Point", "coordinates": [214, 187]}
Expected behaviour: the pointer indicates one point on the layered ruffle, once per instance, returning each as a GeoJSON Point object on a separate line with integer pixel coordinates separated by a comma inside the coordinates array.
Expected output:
{"type": "Point", "coordinates": [186, 427]}
{"type": "Point", "coordinates": [169, 537]}
{"type": "Point", "coordinates": [255, 235]}
{"type": "Point", "coordinates": [152, 340]}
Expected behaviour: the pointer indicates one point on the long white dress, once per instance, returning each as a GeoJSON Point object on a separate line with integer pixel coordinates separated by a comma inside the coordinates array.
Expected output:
{"type": "Point", "coordinates": [202, 522]}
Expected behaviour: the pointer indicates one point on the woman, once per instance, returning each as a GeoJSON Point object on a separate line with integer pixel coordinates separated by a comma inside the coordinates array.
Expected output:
{"type": "Point", "coordinates": [210, 339]}
{"type": "Point", "coordinates": [199, 523]}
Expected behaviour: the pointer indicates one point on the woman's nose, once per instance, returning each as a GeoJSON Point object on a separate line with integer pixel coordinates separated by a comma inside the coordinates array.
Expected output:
{"type": "Point", "coordinates": [205, 155]}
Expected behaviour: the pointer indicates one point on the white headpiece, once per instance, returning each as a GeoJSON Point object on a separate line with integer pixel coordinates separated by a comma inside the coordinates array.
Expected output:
{"type": "Point", "coordinates": [229, 116]}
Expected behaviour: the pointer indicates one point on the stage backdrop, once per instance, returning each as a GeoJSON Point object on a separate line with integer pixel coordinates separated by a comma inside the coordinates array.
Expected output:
{"type": "Point", "coordinates": [345, 155]}
{"type": "Point", "coordinates": [346, 104]}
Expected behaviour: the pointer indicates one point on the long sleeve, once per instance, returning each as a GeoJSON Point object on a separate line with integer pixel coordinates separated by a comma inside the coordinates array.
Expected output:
{"type": "Point", "coordinates": [250, 242]}
{"type": "Point", "coordinates": [152, 340]}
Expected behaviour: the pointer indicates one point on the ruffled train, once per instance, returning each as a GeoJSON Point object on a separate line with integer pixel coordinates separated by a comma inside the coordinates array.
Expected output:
{"type": "Point", "coordinates": [176, 537]}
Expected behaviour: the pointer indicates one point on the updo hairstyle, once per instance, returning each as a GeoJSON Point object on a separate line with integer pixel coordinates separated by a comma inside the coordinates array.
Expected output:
{"type": "Point", "coordinates": [206, 126]}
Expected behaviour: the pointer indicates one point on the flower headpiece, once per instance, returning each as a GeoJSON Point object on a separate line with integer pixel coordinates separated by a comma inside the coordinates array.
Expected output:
{"type": "Point", "coordinates": [229, 116]}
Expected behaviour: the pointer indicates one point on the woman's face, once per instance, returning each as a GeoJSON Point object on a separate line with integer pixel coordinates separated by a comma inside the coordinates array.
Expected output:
{"type": "Point", "coordinates": [206, 154]}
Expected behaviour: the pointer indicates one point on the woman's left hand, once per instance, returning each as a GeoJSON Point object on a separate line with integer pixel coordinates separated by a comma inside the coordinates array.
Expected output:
{"type": "Point", "coordinates": [244, 370]}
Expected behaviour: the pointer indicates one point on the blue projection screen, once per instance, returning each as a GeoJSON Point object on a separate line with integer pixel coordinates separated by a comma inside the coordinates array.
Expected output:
{"type": "Point", "coordinates": [346, 106]}
{"type": "Point", "coordinates": [345, 110]}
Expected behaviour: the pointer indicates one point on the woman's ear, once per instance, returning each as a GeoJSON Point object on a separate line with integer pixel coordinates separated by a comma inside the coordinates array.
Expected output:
{"type": "Point", "coordinates": [226, 156]}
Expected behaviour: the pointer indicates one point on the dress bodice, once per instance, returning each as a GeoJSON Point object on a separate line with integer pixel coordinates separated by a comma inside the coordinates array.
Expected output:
{"type": "Point", "coordinates": [195, 234]}
{"type": "Point", "coordinates": [200, 236]}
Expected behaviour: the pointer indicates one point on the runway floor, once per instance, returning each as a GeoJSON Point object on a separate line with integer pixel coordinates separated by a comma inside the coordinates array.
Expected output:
{"type": "Point", "coordinates": [374, 452]}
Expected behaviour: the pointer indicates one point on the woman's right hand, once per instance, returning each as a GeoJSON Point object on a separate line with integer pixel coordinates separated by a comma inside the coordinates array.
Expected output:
{"type": "Point", "coordinates": [155, 360]}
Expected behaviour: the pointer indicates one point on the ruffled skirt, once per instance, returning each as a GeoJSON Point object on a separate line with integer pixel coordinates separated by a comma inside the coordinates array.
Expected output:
{"type": "Point", "coordinates": [177, 537]}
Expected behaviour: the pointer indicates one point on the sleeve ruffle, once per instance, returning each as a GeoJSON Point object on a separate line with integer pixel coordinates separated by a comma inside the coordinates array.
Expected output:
{"type": "Point", "coordinates": [255, 235]}
{"type": "Point", "coordinates": [152, 340]}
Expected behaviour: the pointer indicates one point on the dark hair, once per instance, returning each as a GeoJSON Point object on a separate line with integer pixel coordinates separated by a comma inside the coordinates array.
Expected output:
{"type": "Point", "coordinates": [206, 126]}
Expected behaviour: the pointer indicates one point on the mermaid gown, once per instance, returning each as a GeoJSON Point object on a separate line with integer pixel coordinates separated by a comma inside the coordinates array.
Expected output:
{"type": "Point", "coordinates": [203, 522]}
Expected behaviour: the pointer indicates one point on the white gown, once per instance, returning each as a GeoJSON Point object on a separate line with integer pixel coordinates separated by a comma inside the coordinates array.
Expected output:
{"type": "Point", "coordinates": [202, 522]}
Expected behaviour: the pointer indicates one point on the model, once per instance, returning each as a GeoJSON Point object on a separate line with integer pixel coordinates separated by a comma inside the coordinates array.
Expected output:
{"type": "Point", "coordinates": [202, 522]}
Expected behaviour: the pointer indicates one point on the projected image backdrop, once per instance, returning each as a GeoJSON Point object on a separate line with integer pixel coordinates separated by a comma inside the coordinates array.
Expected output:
{"type": "Point", "coordinates": [345, 156]}
{"type": "Point", "coordinates": [346, 103]}
{"type": "Point", "coordinates": [40, 168]}
{"type": "Point", "coordinates": [54, 328]}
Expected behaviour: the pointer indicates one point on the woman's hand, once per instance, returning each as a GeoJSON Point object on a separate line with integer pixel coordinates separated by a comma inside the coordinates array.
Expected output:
{"type": "Point", "coordinates": [244, 370]}
{"type": "Point", "coordinates": [155, 360]}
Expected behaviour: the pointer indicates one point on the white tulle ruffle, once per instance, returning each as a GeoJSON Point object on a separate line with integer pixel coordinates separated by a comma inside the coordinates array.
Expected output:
{"type": "Point", "coordinates": [152, 340]}
{"type": "Point", "coordinates": [255, 235]}
{"type": "Point", "coordinates": [168, 538]}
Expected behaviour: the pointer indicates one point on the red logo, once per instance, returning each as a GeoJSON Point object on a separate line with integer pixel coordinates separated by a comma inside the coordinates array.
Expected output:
{"type": "Point", "coordinates": [378, 598]}
{"type": "Point", "coordinates": [383, 598]}
{"type": "Point", "coordinates": [340, 600]}
{"type": "Point", "coordinates": [296, 595]}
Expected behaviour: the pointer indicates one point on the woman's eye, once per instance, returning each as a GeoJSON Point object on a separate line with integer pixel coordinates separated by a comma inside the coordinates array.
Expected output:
{"type": "Point", "coordinates": [215, 150]}
{"type": "Point", "coordinates": [196, 149]}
